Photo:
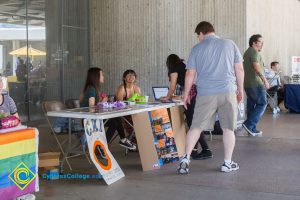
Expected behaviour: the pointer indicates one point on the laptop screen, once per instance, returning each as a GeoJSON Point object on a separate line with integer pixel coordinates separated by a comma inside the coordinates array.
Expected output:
{"type": "Point", "coordinates": [160, 92]}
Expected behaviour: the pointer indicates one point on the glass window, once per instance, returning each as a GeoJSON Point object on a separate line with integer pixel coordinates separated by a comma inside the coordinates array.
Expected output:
{"type": "Point", "coordinates": [43, 51]}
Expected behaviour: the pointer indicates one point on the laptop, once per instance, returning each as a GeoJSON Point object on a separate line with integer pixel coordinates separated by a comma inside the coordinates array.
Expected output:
{"type": "Point", "coordinates": [159, 92]}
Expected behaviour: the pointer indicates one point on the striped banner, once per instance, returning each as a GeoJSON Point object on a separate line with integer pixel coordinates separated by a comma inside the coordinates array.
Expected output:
{"type": "Point", "coordinates": [18, 163]}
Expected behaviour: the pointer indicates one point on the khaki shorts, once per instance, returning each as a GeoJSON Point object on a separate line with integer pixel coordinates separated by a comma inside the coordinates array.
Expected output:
{"type": "Point", "coordinates": [206, 108]}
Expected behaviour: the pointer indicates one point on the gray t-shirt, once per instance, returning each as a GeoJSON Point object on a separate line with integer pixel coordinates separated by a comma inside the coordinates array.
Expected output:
{"type": "Point", "coordinates": [8, 105]}
{"type": "Point", "coordinates": [214, 59]}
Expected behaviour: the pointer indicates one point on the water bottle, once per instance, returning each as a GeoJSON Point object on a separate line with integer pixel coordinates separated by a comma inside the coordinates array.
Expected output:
{"type": "Point", "coordinates": [241, 109]}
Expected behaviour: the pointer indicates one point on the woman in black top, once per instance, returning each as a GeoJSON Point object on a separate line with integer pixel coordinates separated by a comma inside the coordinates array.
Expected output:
{"type": "Point", "coordinates": [176, 73]}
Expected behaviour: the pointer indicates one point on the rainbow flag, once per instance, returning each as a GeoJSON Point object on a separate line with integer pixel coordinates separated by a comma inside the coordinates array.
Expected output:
{"type": "Point", "coordinates": [18, 163]}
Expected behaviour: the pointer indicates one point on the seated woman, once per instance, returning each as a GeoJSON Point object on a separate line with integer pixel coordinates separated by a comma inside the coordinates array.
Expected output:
{"type": "Point", "coordinates": [125, 91]}
{"type": "Point", "coordinates": [176, 74]}
{"type": "Point", "coordinates": [7, 105]}
{"type": "Point", "coordinates": [91, 96]}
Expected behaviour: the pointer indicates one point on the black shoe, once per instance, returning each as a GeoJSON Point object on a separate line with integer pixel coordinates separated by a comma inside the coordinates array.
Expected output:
{"type": "Point", "coordinates": [204, 154]}
{"type": "Point", "coordinates": [194, 153]}
{"type": "Point", "coordinates": [127, 144]}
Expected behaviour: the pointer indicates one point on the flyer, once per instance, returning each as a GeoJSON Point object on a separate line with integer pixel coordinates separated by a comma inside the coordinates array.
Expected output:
{"type": "Point", "coordinates": [163, 136]}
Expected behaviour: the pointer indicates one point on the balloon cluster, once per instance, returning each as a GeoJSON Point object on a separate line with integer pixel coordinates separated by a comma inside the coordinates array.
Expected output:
{"type": "Point", "coordinates": [116, 104]}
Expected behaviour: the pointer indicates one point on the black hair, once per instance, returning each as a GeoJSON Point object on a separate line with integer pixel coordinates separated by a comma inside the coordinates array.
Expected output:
{"type": "Point", "coordinates": [274, 63]}
{"type": "Point", "coordinates": [128, 71]}
{"type": "Point", "coordinates": [172, 61]}
{"type": "Point", "coordinates": [253, 39]}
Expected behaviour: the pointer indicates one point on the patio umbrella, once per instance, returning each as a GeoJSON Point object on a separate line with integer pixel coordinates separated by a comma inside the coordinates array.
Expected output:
{"type": "Point", "coordinates": [31, 52]}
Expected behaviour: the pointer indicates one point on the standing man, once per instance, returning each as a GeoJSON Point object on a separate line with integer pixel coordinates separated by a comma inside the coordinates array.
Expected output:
{"type": "Point", "coordinates": [218, 65]}
{"type": "Point", "coordinates": [255, 84]}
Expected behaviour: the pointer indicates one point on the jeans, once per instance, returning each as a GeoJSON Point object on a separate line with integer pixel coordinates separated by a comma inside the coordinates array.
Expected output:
{"type": "Point", "coordinates": [256, 105]}
{"type": "Point", "coordinates": [61, 124]}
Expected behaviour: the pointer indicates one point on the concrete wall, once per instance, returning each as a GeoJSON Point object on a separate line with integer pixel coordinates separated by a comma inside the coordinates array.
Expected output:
{"type": "Point", "coordinates": [140, 34]}
{"type": "Point", "coordinates": [278, 22]}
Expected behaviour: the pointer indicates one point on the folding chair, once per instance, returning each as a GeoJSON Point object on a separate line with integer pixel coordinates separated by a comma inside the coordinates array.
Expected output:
{"type": "Point", "coordinates": [56, 106]}
{"type": "Point", "coordinates": [72, 103]}
{"type": "Point", "coordinates": [272, 97]}
{"type": "Point", "coordinates": [272, 100]}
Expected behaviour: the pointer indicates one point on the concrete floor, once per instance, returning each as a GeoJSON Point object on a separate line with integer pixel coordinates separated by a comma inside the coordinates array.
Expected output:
{"type": "Point", "coordinates": [269, 170]}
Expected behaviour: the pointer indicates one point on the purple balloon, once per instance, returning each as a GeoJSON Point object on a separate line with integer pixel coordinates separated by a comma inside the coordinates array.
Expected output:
{"type": "Point", "coordinates": [116, 104]}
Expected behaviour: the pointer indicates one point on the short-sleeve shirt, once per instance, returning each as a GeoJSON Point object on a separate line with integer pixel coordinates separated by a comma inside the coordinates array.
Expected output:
{"type": "Point", "coordinates": [90, 92]}
{"type": "Point", "coordinates": [180, 70]}
{"type": "Point", "coordinates": [272, 77]}
{"type": "Point", "coordinates": [251, 78]}
{"type": "Point", "coordinates": [214, 59]}
{"type": "Point", "coordinates": [8, 105]}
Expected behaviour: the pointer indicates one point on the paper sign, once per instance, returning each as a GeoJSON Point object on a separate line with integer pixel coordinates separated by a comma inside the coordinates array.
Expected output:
{"type": "Point", "coordinates": [99, 152]}
{"type": "Point", "coordinates": [295, 65]}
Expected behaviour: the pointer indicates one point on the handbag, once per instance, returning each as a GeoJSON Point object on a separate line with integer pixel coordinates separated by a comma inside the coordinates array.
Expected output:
{"type": "Point", "coordinates": [9, 122]}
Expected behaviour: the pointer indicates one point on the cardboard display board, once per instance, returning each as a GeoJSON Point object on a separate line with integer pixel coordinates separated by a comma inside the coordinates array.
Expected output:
{"type": "Point", "coordinates": [99, 152]}
{"type": "Point", "coordinates": [18, 163]}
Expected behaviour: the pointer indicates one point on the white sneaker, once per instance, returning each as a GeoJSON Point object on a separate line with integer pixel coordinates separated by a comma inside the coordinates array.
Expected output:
{"type": "Point", "coordinates": [233, 166]}
{"type": "Point", "coordinates": [183, 167]}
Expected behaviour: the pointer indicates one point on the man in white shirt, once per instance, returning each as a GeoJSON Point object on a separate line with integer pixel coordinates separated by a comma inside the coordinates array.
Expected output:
{"type": "Point", "coordinates": [273, 76]}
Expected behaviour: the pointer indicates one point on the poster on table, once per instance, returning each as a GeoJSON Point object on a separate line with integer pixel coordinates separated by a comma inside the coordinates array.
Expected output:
{"type": "Point", "coordinates": [163, 136]}
{"type": "Point", "coordinates": [295, 65]}
{"type": "Point", "coordinates": [18, 163]}
{"type": "Point", "coordinates": [99, 152]}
